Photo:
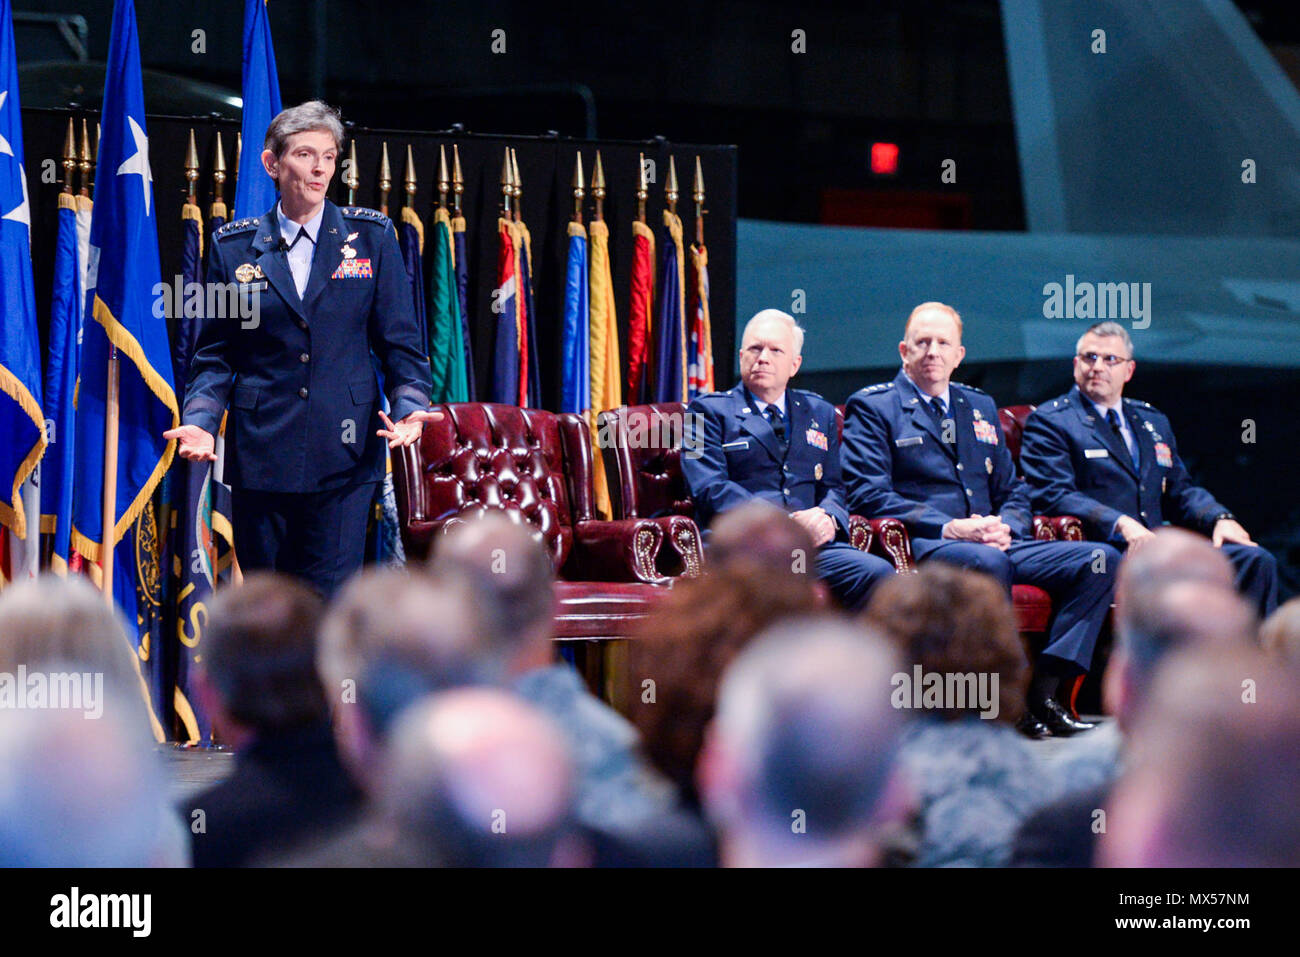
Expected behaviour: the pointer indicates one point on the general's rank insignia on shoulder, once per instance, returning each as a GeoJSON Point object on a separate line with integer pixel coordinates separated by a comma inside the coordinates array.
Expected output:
{"type": "Point", "coordinates": [985, 432]}
{"type": "Point", "coordinates": [1164, 457]}
{"type": "Point", "coordinates": [816, 439]}
{"type": "Point", "coordinates": [354, 269]}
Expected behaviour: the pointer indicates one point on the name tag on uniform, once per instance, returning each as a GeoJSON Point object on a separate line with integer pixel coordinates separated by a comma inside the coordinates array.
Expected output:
{"type": "Point", "coordinates": [353, 269]}
{"type": "Point", "coordinates": [738, 446]}
{"type": "Point", "coordinates": [1096, 453]}
{"type": "Point", "coordinates": [910, 440]}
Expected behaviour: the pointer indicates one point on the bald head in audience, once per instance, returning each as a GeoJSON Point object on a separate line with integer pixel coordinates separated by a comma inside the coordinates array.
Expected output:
{"type": "Point", "coordinates": [388, 639]}
{"type": "Point", "coordinates": [1215, 768]}
{"type": "Point", "coordinates": [508, 575]}
{"type": "Point", "coordinates": [482, 779]}
{"type": "Point", "coordinates": [1175, 592]}
{"type": "Point", "coordinates": [798, 765]}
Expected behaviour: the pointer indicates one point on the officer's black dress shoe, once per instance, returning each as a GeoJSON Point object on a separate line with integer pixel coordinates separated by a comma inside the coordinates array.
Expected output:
{"type": "Point", "coordinates": [1031, 727]}
{"type": "Point", "coordinates": [1058, 719]}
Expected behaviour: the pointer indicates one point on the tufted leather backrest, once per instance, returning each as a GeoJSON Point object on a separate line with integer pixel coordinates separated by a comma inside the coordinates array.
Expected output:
{"type": "Point", "coordinates": [533, 465]}
{"type": "Point", "coordinates": [642, 445]}
{"type": "Point", "coordinates": [1012, 418]}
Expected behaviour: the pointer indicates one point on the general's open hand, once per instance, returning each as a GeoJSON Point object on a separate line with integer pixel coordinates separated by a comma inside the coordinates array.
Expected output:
{"type": "Point", "coordinates": [407, 431]}
{"type": "Point", "coordinates": [195, 443]}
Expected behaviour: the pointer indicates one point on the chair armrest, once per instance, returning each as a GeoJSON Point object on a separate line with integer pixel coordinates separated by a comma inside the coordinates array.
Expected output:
{"type": "Point", "coordinates": [624, 550]}
{"type": "Point", "coordinates": [860, 533]}
{"type": "Point", "coordinates": [892, 542]}
{"type": "Point", "coordinates": [685, 556]}
{"type": "Point", "coordinates": [1068, 528]}
{"type": "Point", "coordinates": [1043, 530]}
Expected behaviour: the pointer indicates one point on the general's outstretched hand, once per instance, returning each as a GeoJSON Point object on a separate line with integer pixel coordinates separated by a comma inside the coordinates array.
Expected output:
{"type": "Point", "coordinates": [407, 431]}
{"type": "Point", "coordinates": [194, 443]}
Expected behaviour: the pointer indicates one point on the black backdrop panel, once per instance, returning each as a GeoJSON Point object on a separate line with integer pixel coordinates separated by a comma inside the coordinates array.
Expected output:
{"type": "Point", "coordinates": [545, 168]}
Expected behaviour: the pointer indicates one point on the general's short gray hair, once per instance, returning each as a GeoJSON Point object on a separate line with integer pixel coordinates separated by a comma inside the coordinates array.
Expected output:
{"type": "Point", "coordinates": [1107, 328]}
{"type": "Point", "coordinates": [312, 115]}
{"type": "Point", "coordinates": [789, 320]}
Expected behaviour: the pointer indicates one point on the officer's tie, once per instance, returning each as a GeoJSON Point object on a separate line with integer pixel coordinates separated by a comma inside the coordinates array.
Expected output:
{"type": "Point", "coordinates": [774, 416]}
{"type": "Point", "coordinates": [1113, 418]}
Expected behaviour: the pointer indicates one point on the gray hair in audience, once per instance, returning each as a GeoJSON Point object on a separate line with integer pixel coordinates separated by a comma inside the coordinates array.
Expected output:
{"type": "Point", "coordinates": [85, 793]}
{"type": "Point", "coordinates": [806, 709]}
{"type": "Point", "coordinates": [508, 574]}
{"type": "Point", "coordinates": [760, 532]}
{"type": "Point", "coordinates": [391, 638]}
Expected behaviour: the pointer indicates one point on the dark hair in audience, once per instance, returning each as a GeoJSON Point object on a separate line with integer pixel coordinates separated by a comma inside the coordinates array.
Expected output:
{"type": "Point", "coordinates": [259, 652]}
{"type": "Point", "coordinates": [951, 620]}
{"type": "Point", "coordinates": [760, 534]}
{"type": "Point", "coordinates": [685, 644]}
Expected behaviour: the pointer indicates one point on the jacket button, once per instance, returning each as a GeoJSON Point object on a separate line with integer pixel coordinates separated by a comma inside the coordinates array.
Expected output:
{"type": "Point", "coordinates": [304, 358]}
{"type": "Point", "coordinates": [303, 392]}
{"type": "Point", "coordinates": [786, 491]}
{"type": "Point", "coordinates": [302, 323]}
{"type": "Point", "coordinates": [968, 492]}
{"type": "Point", "coordinates": [960, 467]}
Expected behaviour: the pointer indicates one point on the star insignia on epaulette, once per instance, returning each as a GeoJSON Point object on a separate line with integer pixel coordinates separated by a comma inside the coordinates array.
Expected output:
{"type": "Point", "coordinates": [878, 387]}
{"type": "Point", "coordinates": [364, 212]}
{"type": "Point", "coordinates": [238, 226]}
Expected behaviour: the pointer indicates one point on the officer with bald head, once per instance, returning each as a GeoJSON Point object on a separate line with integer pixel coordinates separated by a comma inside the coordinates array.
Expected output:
{"type": "Point", "coordinates": [763, 440]}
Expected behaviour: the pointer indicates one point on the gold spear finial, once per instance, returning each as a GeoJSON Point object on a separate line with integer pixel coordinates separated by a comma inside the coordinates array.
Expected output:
{"type": "Point", "coordinates": [219, 172]}
{"type": "Point", "coordinates": [444, 178]}
{"type": "Point", "coordinates": [642, 189]}
{"type": "Point", "coordinates": [84, 162]}
{"type": "Point", "coordinates": [579, 188]}
{"type": "Point", "coordinates": [385, 179]}
{"type": "Point", "coordinates": [408, 176]}
{"type": "Point", "coordinates": [697, 192]}
{"type": "Point", "coordinates": [350, 178]}
{"type": "Point", "coordinates": [69, 156]}
{"type": "Point", "coordinates": [191, 168]}
{"type": "Point", "coordinates": [671, 186]}
{"type": "Point", "coordinates": [517, 184]}
{"type": "Point", "coordinates": [457, 179]}
{"type": "Point", "coordinates": [507, 184]}
{"type": "Point", "coordinates": [598, 187]}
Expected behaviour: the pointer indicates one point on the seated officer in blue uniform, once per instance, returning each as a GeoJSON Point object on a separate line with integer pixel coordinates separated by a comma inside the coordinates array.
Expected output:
{"type": "Point", "coordinates": [1114, 463]}
{"type": "Point", "coordinates": [304, 439]}
{"type": "Point", "coordinates": [762, 440]}
{"type": "Point", "coordinates": [931, 453]}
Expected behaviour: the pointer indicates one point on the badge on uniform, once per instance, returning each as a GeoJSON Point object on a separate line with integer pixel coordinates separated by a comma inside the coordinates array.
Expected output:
{"type": "Point", "coordinates": [985, 432]}
{"type": "Point", "coordinates": [816, 439]}
{"type": "Point", "coordinates": [1164, 457]}
{"type": "Point", "coordinates": [353, 269]}
{"type": "Point", "coordinates": [247, 272]}
{"type": "Point", "coordinates": [817, 471]}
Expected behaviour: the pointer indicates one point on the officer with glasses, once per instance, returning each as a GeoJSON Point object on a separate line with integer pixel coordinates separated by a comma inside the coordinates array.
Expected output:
{"type": "Point", "coordinates": [1113, 462]}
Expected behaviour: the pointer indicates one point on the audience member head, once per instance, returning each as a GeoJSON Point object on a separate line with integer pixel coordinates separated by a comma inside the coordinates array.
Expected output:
{"type": "Point", "coordinates": [507, 573]}
{"type": "Point", "coordinates": [481, 779]}
{"type": "Point", "coordinates": [258, 676]}
{"type": "Point", "coordinates": [1280, 633]}
{"type": "Point", "coordinates": [760, 534]}
{"type": "Point", "coordinates": [1214, 767]}
{"type": "Point", "coordinates": [388, 639]}
{"type": "Point", "coordinates": [951, 622]}
{"type": "Point", "coordinates": [85, 793]}
{"type": "Point", "coordinates": [1175, 591]}
{"type": "Point", "coordinates": [688, 639]}
{"type": "Point", "coordinates": [798, 767]}
{"type": "Point", "coordinates": [66, 620]}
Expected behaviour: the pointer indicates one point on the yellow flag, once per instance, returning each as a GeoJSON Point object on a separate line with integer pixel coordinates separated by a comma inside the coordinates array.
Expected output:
{"type": "Point", "coordinates": [606, 373]}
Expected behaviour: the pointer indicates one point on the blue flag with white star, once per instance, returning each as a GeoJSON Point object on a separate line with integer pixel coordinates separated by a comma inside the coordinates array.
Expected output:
{"type": "Point", "coordinates": [254, 190]}
{"type": "Point", "coordinates": [22, 427]}
{"type": "Point", "coordinates": [126, 312]}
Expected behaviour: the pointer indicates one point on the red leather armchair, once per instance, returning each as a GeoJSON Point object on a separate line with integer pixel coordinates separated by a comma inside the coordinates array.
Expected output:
{"type": "Point", "coordinates": [536, 467]}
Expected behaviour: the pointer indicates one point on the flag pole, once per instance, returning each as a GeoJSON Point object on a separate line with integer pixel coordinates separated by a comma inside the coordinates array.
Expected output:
{"type": "Point", "coordinates": [108, 516]}
{"type": "Point", "coordinates": [385, 179]}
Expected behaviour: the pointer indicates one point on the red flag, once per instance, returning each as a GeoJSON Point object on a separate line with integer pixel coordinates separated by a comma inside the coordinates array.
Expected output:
{"type": "Point", "coordinates": [506, 359]}
{"type": "Point", "coordinates": [640, 318]}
